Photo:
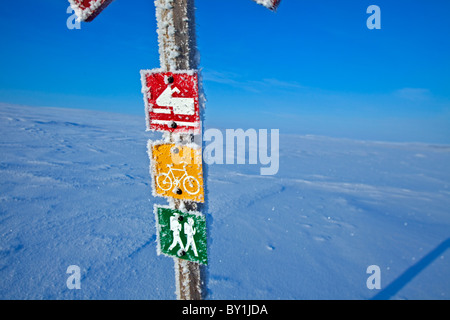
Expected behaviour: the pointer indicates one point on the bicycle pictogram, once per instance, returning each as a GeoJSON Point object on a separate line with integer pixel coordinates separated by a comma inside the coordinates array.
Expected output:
{"type": "Point", "coordinates": [174, 177]}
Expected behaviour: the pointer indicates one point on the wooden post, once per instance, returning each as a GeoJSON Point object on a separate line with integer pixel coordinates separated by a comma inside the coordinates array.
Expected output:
{"type": "Point", "coordinates": [176, 34]}
{"type": "Point", "coordinates": [178, 51]}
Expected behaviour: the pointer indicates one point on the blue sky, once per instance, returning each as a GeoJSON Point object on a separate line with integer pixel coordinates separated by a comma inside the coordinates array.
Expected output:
{"type": "Point", "coordinates": [313, 67]}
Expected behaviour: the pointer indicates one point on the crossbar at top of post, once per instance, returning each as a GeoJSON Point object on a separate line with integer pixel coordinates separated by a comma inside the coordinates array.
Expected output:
{"type": "Point", "coordinates": [178, 51]}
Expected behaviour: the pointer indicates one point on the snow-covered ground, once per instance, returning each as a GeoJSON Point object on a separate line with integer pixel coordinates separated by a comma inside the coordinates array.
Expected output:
{"type": "Point", "coordinates": [75, 190]}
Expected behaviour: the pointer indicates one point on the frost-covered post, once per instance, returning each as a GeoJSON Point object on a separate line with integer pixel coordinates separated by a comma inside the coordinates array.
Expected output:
{"type": "Point", "coordinates": [178, 51]}
{"type": "Point", "coordinates": [178, 117]}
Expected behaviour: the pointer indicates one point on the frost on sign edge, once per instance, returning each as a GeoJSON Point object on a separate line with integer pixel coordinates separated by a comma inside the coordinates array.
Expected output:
{"type": "Point", "coordinates": [270, 4]}
{"type": "Point", "coordinates": [201, 245]}
{"type": "Point", "coordinates": [87, 10]}
{"type": "Point", "coordinates": [193, 169]}
{"type": "Point", "coordinates": [174, 111]}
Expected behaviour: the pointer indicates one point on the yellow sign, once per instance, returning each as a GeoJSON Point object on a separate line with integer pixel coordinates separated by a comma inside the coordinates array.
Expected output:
{"type": "Point", "coordinates": [177, 171]}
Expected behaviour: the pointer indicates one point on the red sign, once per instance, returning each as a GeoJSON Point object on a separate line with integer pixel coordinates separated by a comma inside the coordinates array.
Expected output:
{"type": "Point", "coordinates": [87, 10]}
{"type": "Point", "coordinates": [271, 4]}
{"type": "Point", "coordinates": [171, 100]}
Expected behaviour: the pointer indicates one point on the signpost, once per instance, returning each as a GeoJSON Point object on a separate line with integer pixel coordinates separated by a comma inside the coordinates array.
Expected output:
{"type": "Point", "coordinates": [172, 104]}
{"type": "Point", "coordinates": [178, 53]}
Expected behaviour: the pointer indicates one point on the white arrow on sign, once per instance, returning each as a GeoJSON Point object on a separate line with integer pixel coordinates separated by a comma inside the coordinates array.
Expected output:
{"type": "Point", "coordinates": [183, 106]}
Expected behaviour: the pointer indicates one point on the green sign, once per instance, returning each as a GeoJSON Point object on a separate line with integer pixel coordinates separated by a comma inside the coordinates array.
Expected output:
{"type": "Point", "coordinates": [181, 234]}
